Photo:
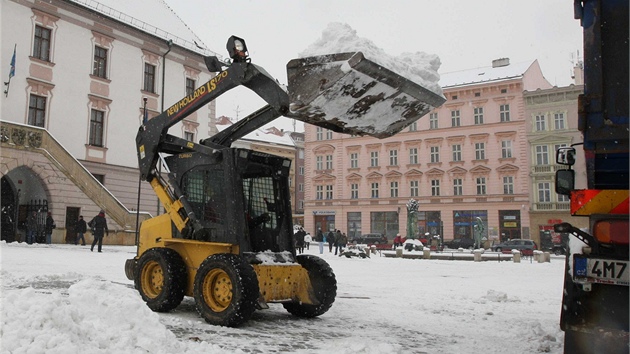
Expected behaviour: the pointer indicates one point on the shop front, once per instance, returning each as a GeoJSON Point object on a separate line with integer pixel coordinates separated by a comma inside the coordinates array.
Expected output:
{"type": "Point", "coordinates": [324, 220]}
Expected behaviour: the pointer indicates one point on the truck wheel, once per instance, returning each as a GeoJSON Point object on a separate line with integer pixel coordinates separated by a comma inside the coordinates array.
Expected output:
{"type": "Point", "coordinates": [226, 290]}
{"type": "Point", "coordinates": [324, 286]}
{"type": "Point", "coordinates": [160, 278]}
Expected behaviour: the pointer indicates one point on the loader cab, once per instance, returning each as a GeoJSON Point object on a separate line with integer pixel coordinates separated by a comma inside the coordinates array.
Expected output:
{"type": "Point", "coordinates": [239, 196]}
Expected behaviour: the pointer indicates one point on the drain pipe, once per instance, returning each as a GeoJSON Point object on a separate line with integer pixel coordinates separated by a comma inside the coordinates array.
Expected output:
{"type": "Point", "coordinates": [170, 45]}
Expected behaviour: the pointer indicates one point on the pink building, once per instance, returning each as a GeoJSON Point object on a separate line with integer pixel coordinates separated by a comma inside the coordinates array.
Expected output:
{"type": "Point", "coordinates": [465, 161]}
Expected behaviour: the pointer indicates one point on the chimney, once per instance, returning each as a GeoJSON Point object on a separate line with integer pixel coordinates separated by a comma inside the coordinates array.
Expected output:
{"type": "Point", "coordinates": [497, 63]}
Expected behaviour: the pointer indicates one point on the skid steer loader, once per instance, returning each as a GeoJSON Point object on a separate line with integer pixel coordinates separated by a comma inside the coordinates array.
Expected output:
{"type": "Point", "coordinates": [226, 237]}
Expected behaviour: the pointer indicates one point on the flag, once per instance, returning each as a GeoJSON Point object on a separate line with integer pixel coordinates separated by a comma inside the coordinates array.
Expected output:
{"type": "Point", "coordinates": [12, 72]}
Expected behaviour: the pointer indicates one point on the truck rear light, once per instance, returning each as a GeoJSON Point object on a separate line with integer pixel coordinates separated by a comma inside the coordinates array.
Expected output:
{"type": "Point", "coordinates": [611, 231]}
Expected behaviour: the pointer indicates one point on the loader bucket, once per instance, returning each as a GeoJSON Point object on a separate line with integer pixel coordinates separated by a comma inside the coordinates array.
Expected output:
{"type": "Point", "coordinates": [350, 94]}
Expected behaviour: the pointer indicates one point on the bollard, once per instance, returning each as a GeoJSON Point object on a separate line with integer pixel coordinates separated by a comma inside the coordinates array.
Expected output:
{"type": "Point", "coordinates": [516, 256]}
{"type": "Point", "coordinates": [536, 256]}
{"type": "Point", "coordinates": [399, 252]}
{"type": "Point", "coordinates": [372, 249]}
{"type": "Point", "coordinates": [477, 255]}
{"type": "Point", "coordinates": [541, 256]}
{"type": "Point", "coordinates": [426, 253]}
{"type": "Point", "coordinates": [547, 257]}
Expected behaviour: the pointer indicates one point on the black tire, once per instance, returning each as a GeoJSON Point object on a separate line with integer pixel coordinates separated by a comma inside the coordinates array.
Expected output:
{"type": "Point", "coordinates": [226, 290]}
{"type": "Point", "coordinates": [498, 249]}
{"type": "Point", "coordinates": [324, 286]}
{"type": "Point", "coordinates": [160, 278]}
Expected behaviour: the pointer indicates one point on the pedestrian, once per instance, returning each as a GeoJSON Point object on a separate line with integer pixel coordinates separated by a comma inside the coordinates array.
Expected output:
{"type": "Point", "coordinates": [50, 225]}
{"type": "Point", "coordinates": [299, 240]}
{"type": "Point", "coordinates": [330, 238]}
{"type": "Point", "coordinates": [397, 241]}
{"type": "Point", "coordinates": [319, 237]}
{"type": "Point", "coordinates": [98, 224]}
{"type": "Point", "coordinates": [307, 240]}
{"type": "Point", "coordinates": [81, 228]}
{"type": "Point", "coordinates": [31, 228]}
{"type": "Point", "coordinates": [338, 239]}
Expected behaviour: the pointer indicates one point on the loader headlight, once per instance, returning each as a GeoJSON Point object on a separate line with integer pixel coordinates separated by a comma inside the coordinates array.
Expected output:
{"type": "Point", "coordinates": [237, 49]}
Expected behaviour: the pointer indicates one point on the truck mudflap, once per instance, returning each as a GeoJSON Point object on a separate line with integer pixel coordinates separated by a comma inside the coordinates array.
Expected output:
{"type": "Point", "coordinates": [350, 94]}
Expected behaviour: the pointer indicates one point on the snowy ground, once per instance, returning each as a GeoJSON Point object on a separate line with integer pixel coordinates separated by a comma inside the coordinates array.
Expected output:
{"type": "Point", "coordinates": [66, 299]}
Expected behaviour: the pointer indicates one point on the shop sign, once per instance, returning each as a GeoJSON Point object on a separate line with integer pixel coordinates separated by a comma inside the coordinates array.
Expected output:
{"type": "Point", "coordinates": [510, 224]}
{"type": "Point", "coordinates": [323, 212]}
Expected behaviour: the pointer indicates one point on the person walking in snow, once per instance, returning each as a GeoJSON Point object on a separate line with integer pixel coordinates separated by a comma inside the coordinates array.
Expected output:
{"type": "Point", "coordinates": [99, 228]}
{"type": "Point", "coordinates": [31, 228]}
{"type": "Point", "coordinates": [81, 228]}
{"type": "Point", "coordinates": [319, 237]}
{"type": "Point", "coordinates": [307, 240]}
{"type": "Point", "coordinates": [330, 238]}
{"type": "Point", "coordinates": [338, 240]}
{"type": "Point", "coordinates": [299, 240]}
{"type": "Point", "coordinates": [50, 225]}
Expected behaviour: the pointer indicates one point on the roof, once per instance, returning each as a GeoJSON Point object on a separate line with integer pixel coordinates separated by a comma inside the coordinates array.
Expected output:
{"type": "Point", "coordinates": [154, 17]}
{"type": "Point", "coordinates": [260, 136]}
{"type": "Point", "coordinates": [484, 74]}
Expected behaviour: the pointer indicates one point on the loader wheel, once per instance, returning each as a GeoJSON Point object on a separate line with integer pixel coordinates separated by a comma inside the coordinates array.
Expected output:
{"type": "Point", "coordinates": [160, 278]}
{"type": "Point", "coordinates": [324, 286]}
{"type": "Point", "coordinates": [226, 290]}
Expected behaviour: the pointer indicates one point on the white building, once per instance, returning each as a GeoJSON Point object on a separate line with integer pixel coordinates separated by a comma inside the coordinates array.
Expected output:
{"type": "Point", "coordinates": [83, 72]}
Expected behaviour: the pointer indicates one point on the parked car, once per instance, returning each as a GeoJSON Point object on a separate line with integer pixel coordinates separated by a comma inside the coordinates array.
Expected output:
{"type": "Point", "coordinates": [464, 242]}
{"type": "Point", "coordinates": [371, 239]}
{"type": "Point", "coordinates": [516, 244]}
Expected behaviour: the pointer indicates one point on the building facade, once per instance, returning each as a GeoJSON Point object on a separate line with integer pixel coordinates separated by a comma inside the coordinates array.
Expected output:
{"type": "Point", "coordinates": [552, 116]}
{"type": "Point", "coordinates": [86, 76]}
{"type": "Point", "coordinates": [465, 163]}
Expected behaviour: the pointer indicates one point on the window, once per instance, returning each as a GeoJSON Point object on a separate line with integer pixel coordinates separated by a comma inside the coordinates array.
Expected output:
{"type": "Point", "coordinates": [435, 154]}
{"type": "Point", "coordinates": [190, 86]}
{"type": "Point", "coordinates": [540, 123]}
{"type": "Point", "coordinates": [319, 192]}
{"type": "Point", "coordinates": [413, 127]}
{"type": "Point", "coordinates": [328, 134]}
{"type": "Point", "coordinates": [413, 188]}
{"type": "Point", "coordinates": [300, 153]}
{"type": "Point", "coordinates": [100, 178]}
{"type": "Point", "coordinates": [504, 112]}
{"type": "Point", "coordinates": [100, 62]}
{"type": "Point", "coordinates": [329, 191]}
{"type": "Point", "coordinates": [190, 136]}
{"type": "Point", "coordinates": [96, 128]}
{"type": "Point", "coordinates": [558, 121]}
{"type": "Point", "coordinates": [506, 149]}
{"type": "Point", "coordinates": [542, 155]}
{"type": "Point", "coordinates": [319, 162]}
{"type": "Point", "coordinates": [457, 152]}
{"type": "Point", "coordinates": [319, 133]}
{"type": "Point", "coordinates": [301, 170]}
{"type": "Point", "coordinates": [393, 157]}
{"type": "Point", "coordinates": [563, 198]}
{"type": "Point", "coordinates": [374, 189]}
{"type": "Point", "coordinates": [413, 156]}
{"type": "Point", "coordinates": [301, 204]}
{"type": "Point", "coordinates": [301, 187]}
{"type": "Point", "coordinates": [433, 121]}
{"type": "Point", "coordinates": [374, 159]}
{"type": "Point", "coordinates": [37, 111]}
{"type": "Point", "coordinates": [455, 119]}
{"type": "Point", "coordinates": [354, 160]}
{"type": "Point", "coordinates": [329, 162]}
{"type": "Point", "coordinates": [478, 114]}
{"type": "Point", "coordinates": [149, 78]}
{"type": "Point", "coordinates": [354, 191]}
{"type": "Point", "coordinates": [41, 43]}
{"type": "Point", "coordinates": [508, 185]}
{"type": "Point", "coordinates": [458, 188]}
{"type": "Point", "coordinates": [480, 151]}
{"type": "Point", "coordinates": [481, 185]}
{"type": "Point", "coordinates": [393, 189]}
{"type": "Point", "coordinates": [435, 187]}
{"type": "Point", "coordinates": [544, 192]}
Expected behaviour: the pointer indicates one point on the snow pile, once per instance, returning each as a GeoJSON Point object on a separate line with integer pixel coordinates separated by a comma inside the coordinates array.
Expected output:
{"type": "Point", "coordinates": [418, 67]}
{"type": "Point", "coordinates": [96, 316]}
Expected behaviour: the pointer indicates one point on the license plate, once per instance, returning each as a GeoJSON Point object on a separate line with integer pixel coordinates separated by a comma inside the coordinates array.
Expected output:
{"type": "Point", "coordinates": [603, 271]}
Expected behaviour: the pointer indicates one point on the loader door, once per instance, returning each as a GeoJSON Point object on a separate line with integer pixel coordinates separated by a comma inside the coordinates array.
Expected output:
{"type": "Point", "coordinates": [205, 189]}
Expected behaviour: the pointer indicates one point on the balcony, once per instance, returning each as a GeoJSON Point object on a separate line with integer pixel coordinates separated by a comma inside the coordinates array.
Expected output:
{"type": "Point", "coordinates": [552, 206]}
{"type": "Point", "coordinates": [545, 169]}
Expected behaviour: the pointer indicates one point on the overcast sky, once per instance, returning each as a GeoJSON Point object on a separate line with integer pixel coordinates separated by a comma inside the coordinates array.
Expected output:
{"type": "Point", "coordinates": [464, 34]}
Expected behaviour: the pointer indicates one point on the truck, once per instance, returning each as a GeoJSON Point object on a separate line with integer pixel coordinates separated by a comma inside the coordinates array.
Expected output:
{"type": "Point", "coordinates": [595, 311]}
{"type": "Point", "coordinates": [226, 237]}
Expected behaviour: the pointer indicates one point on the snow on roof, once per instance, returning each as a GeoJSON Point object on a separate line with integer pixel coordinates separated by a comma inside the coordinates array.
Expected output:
{"type": "Point", "coordinates": [484, 74]}
{"type": "Point", "coordinates": [154, 17]}
{"type": "Point", "coordinates": [260, 136]}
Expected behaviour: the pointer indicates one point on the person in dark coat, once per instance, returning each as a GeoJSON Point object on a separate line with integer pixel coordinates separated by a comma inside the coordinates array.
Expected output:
{"type": "Point", "coordinates": [330, 238]}
{"type": "Point", "coordinates": [338, 240]}
{"type": "Point", "coordinates": [81, 229]}
{"type": "Point", "coordinates": [319, 237]}
{"type": "Point", "coordinates": [99, 229]}
{"type": "Point", "coordinates": [50, 225]}
{"type": "Point", "coordinates": [31, 228]}
{"type": "Point", "coordinates": [299, 240]}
